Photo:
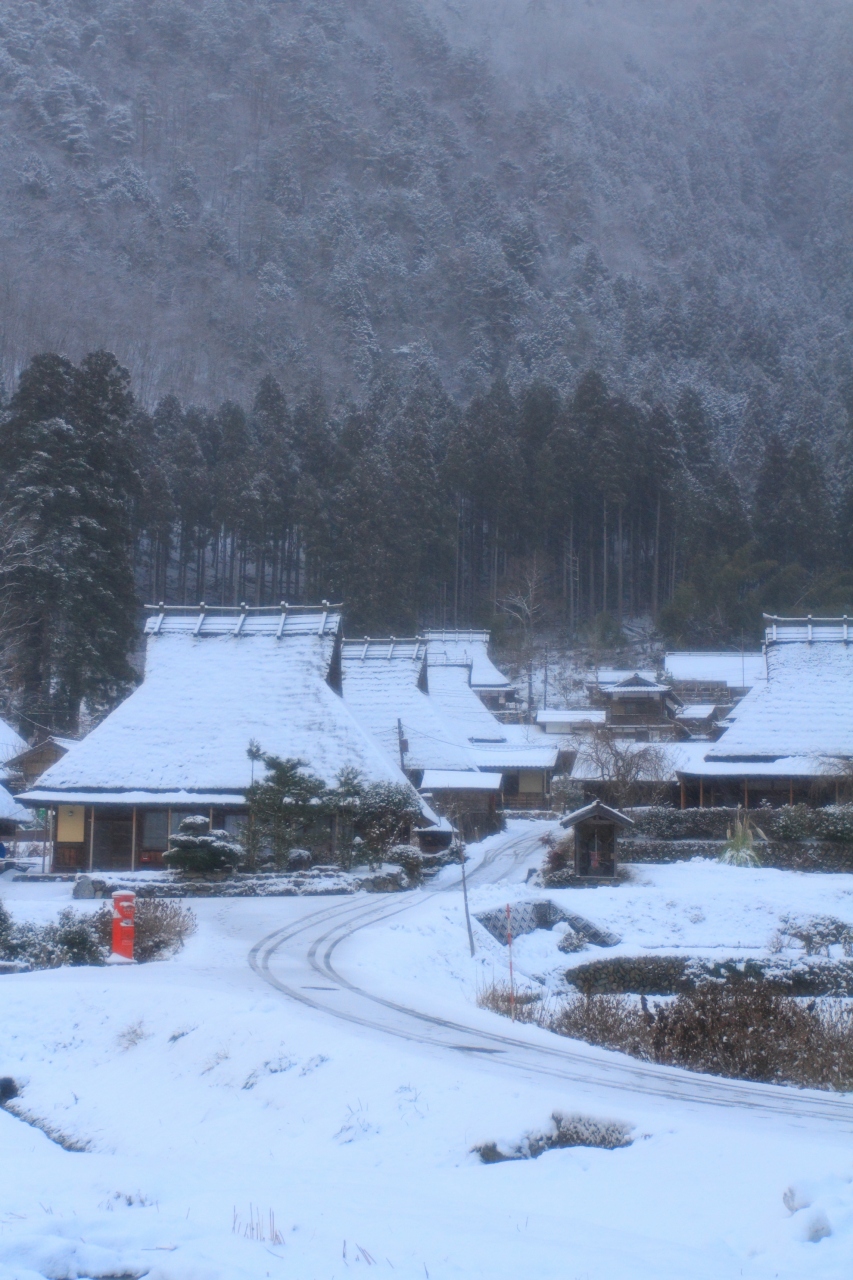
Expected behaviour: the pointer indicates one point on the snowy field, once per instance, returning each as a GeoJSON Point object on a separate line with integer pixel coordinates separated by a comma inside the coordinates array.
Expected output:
{"type": "Point", "coordinates": [209, 1101]}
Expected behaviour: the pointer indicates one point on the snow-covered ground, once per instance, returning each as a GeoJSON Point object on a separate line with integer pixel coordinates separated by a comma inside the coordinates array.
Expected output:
{"type": "Point", "coordinates": [209, 1100]}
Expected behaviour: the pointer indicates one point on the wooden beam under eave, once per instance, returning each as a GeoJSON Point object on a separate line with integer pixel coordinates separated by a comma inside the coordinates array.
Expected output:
{"type": "Point", "coordinates": [92, 840]}
{"type": "Point", "coordinates": [133, 842]}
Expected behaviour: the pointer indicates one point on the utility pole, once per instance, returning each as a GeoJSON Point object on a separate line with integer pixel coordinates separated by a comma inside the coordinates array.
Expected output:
{"type": "Point", "coordinates": [465, 898]}
{"type": "Point", "coordinates": [403, 743]}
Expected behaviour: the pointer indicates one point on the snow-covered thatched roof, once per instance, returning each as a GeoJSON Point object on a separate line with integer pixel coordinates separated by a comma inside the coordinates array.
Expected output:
{"type": "Point", "coordinates": [471, 647]}
{"type": "Point", "coordinates": [10, 810]}
{"type": "Point", "coordinates": [11, 743]}
{"type": "Point", "coordinates": [803, 708]}
{"type": "Point", "coordinates": [457, 780]}
{"type": "Point", "coordinates": [604, 677]}
{"type": "Point", "coordinates": [697, 711]}
{"type": "Point", "coordinates": [555, 720]}
{"type": "Point", "coordinates": [494, 745]}
{"type": "Point", "coordinates": [381, 681]}
{"type": "Point", "coordinates": [213, 682]}
{"type": "Point", "coordinates": [735, 670]}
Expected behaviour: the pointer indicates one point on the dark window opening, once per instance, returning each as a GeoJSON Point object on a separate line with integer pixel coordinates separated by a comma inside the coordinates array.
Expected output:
{"type": "Point", "coordinates": [155, 830]}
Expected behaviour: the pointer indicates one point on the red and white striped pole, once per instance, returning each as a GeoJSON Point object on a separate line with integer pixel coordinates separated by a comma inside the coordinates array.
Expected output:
{"type": "Point", "coordinates": [124, 908]}
{"type": "Point", "coordinates": [511, 977]}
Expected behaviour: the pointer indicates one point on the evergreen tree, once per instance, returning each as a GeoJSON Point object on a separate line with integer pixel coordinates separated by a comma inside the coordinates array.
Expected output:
{"type": "Point", "coordinates": [69, 483]}
{"type": "Point", "coordinates": [794, 518]}
{"type": "Point", "coordinates": [195, 848]}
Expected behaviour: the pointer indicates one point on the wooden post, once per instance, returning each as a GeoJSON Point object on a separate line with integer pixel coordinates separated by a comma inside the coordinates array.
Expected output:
{"type": "Point", "coordinates": [92, 841]}
{"type": "Point", "coordinates": [683, 794]}
{"type": "Point", "coordinates": [133, 842]}
{"type": "Point", "coordinates": [745, 794]}
{"type": "Point", "coordinates": [701, 793]}
{"type": "Point", "coordinates": [791, 791]}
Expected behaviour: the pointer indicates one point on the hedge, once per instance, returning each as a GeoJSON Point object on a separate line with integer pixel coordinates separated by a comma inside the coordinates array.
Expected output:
{"type": "Point", "coordinates": [790, 822]}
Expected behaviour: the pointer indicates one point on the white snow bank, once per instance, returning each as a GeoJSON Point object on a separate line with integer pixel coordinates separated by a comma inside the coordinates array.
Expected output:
{"type": "Point", "coordinates": [209, 1100]}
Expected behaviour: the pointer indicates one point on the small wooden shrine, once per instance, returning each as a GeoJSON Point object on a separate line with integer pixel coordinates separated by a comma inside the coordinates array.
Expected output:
{"type": "Point", "coordinates": [596, 829]}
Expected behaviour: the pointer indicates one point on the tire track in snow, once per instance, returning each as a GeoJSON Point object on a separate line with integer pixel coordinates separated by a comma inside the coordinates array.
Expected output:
{"type": "Point", "coordinates": [315, 939]}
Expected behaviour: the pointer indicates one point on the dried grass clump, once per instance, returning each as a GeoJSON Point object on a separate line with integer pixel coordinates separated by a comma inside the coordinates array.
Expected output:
{"type": "Point", "coordinates": [613, 1022]}
{"type": "Point", "coordinates": [500, 998]}
{"type": "Point", "coordinates": [740, 850]}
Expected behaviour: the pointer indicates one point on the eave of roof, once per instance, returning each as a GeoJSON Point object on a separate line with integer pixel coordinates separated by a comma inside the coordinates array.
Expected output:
{"type": "Point", "coordinates": [39, 796]}
{"type": "Point", "coordinates": [450, 780]}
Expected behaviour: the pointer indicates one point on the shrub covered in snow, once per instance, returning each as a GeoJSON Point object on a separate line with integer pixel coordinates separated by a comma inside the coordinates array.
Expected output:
{"type": "Point", "coordinates": [383, 813]}
{"type": "Point", "coordinates": [564, 1131]}
{"type": "Point", "coordinates": [73, 939]}
{"type": "Point", "coordinates": [292, 808]}
{"type": "Point", "coordinates": [816, 934]}
{"type": "Point", "coordinates": [196, 848]}
{"type": "Point", "coordinates": [799, 822]}
{"type": "Point", "coordinates": [656, 975]}
{"type": "Point", "coordinates": [566, 794]}
{"type": "Point", "coordinates": [788, 822]}
{"type": "Point", "coordinates": [85, 939]}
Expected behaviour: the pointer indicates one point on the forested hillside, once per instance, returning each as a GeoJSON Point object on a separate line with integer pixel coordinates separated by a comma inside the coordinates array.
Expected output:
{"type": "Point", "coordinates": [217, 189]}
{"type": "Point", "coordinates": [533, 310]}
{"type": "Point", "coordinates": [551, 516]}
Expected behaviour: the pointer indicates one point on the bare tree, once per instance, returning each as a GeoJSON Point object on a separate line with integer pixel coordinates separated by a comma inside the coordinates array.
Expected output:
{"type": "Point", "coordinates": [629, 771]}
{"type": "Point", "coordinates": [525, 603]}
{"type": "Point", "coordinates": [526, 599]}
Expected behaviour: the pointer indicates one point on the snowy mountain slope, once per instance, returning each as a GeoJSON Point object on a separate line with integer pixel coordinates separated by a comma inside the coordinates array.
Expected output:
{"type": "Point", "coordinates": [214, 190]}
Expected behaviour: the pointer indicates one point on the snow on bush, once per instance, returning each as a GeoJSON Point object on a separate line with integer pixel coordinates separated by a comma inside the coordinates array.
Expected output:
{"type": "Point", "coordinates": [293, 808]}
{"type": "Point", "coordinates": [564, 1131]}
{"type": "Point", "coordinates": [816, 934]}
{"type": "Point", "coordinates": [195, 848]}
{"type": "Point", "coordinates": [162, 927]}
{"type": "Point", "coordinates": [788, 822]}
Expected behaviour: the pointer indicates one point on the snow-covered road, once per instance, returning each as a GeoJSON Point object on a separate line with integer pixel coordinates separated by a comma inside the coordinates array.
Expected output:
{"type": "Point", "coordinates": [201, 1100]}
{"type": "Point", "coordinates": [307, 960]}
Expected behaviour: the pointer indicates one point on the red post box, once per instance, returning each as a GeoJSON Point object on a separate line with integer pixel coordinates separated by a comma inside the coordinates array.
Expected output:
{"type": "Point", "coordinates": [124, 906]}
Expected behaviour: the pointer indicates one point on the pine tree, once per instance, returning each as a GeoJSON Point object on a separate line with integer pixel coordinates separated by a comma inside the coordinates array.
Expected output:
{"type": "Point", "coordinates": [195, 848]}
{"type": "Point", "coordinates": [69, 484]}
{"type": "Point", "coordinates": [794, 518]}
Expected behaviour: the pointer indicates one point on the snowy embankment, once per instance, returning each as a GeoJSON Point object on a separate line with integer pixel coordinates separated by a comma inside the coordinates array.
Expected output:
{"type": "Point", "coordinates": [206, 1098]}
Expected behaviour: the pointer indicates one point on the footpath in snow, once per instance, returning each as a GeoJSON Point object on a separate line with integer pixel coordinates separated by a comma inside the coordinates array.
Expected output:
{"type": "Point", "coordinates": [231, 1131]}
